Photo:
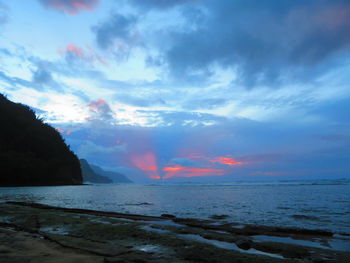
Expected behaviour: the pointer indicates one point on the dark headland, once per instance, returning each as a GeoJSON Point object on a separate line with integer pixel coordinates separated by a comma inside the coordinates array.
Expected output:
{"type": "Point", "coordinates": [32, 153]}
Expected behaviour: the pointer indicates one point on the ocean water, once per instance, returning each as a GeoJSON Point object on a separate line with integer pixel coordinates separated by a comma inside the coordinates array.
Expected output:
{"type": "Point", "coordinates": [305, 204]}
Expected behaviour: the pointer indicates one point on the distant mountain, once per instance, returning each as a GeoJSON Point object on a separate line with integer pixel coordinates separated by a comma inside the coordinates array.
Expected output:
{"type": "Point", "coordinates": [89, 175]}
{"type": "Point", "coordinates": [116, 177]}
{"type": "Point", "coordinates": [31, 151]}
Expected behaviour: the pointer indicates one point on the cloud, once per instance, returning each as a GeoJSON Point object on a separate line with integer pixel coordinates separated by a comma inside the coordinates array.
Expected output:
{"type": "Point", "coordinates": [205, 103]}
{"type": "Point", "coordinates": [263, 42]}
{"type": "Point", "coordinates": [180, 171]}
{"type": "Point", "coordinates": [73, 54]}
{"type": "Point", "coordinates": [3, 13]}
{"type": "Point", "coordinates": [147, 100]}
{"type": "Point", "coordinates": [182, 161]}
{"type": "Point", "coordinates": [42, 76]}
{"type": "Point", "coordinates": [160, 4]}
{"type": "Point", "coordinates": [90, 149]}
{"type": "Point", "coordinates": [182, 118]}
{"type": "Point", "coordinates": [227, 160]}
{"type": "Point", "coordinates": [233, 149]}
{"type": "Point", "coordinates": [118, 34]}
{"type": "Point", "coordinates": [71, 7]}
{"type": "Point", "coordinates": [100, 111]}
{"type": "Point", "coordinates": [15, 82]}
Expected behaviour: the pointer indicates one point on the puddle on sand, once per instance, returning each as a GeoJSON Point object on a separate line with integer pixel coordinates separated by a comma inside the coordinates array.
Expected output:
{"type": "Point", "coordinates": [148, 248]}
{"type": "Point", "coordinates": [54, 230]}
{"type": "Point", "coordinates": [330, 244]}
{"type": "Point", "coordinates": [229, 246]}
{"type": "Point", "coordinates": [238, 226]}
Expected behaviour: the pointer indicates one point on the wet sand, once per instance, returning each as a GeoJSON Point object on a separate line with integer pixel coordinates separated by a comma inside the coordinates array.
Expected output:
{"type": "Point", "coordinates": [38, 233]}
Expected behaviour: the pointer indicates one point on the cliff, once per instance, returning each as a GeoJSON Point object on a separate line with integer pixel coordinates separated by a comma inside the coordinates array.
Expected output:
{"type": "Point", "coordinates": [116, 177]}
{"type": "Point", "coordinates": [89, 175]}
{"type": "Point", "coordinates": [31, 151]}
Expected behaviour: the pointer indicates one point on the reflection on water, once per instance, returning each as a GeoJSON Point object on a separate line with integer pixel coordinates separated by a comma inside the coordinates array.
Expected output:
{"type": "Point", "coordinates": [323, 206]}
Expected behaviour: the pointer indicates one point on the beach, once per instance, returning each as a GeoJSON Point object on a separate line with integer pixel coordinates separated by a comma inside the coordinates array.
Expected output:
{"type": "Point", "coordinates": [31, 232]}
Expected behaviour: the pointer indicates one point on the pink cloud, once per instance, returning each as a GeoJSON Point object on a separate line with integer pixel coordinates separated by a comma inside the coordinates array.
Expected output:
{"type": "Point", "coordinates": [71, 7]}
{"type": "Point", "coordinates": [99, 110]}
{"type": "Point", "coordinates": [88, 54]}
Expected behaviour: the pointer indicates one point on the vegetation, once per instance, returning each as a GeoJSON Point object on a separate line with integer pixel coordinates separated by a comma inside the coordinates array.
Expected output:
{"type": "Point", "coordinates": [31, 151]}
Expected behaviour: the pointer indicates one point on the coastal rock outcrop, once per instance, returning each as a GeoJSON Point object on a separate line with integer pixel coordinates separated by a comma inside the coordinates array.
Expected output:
{"type": "Point", "coordinates": [32, 152]}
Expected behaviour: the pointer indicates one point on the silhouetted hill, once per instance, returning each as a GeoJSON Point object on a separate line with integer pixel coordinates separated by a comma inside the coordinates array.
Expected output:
{"type": "Point", "coordinates": [31, 151]}
{"type": "Point", "coordinates": [89, 175]}
{"type": "Point", "coordinates": [116, 177]}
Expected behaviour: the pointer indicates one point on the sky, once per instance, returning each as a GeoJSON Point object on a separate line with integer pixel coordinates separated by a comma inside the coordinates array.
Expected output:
{"type": "Point", "coordinates": [187, 90]}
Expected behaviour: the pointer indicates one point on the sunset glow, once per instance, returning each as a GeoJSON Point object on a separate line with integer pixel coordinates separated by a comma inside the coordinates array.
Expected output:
{"type": "Point", "coordinates": [180, 171]}
{"type": "Point", "coordinates": [227, 160]}
{"type": "Point", "coordinates": [146, 162]}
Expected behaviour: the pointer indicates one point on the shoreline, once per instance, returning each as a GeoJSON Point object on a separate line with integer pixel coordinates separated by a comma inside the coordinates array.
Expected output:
{"type": "Point", "coordinates": [118, 237]}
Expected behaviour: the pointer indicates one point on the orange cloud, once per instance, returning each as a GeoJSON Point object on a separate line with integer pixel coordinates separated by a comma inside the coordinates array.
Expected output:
{"type": "Point", "coordinates": [148, 163]}
{"type": "Point", "coordinates": [227, 160]}
{"type": "Point", "coordinates": [155, 177]}
{"type": "Point", "coordinates": [181, 171]}
{"type": "Point", "coordinates": [71, 7]}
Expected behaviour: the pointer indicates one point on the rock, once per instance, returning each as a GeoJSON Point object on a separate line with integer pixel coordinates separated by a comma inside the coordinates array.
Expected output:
{"type": "Point", "coordinates": [113, 260]}
{"type": "Point", "coordinates": [219, 216]}
{"type": "Point", "coordinates": [318, 259]}
{"type": "Point", "coordinates": [244, 244]}
{"type": "Point", "coordinates": [168, 216]}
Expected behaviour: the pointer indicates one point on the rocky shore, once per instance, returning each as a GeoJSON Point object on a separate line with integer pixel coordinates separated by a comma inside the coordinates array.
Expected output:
{"type": "Point", "coordinates": [32, 232]}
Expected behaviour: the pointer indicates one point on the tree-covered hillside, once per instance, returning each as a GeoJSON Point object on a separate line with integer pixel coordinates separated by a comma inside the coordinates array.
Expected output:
{"type": "Point", "coordinates": [31, 151]}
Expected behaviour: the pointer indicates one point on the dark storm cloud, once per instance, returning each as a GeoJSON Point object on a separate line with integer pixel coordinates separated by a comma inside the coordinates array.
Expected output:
{"type": "Point", "coordinates": [265, 41]}
{"type": "Point", "coordinates": [71, 7]}
{"type": "Point", "coordinates": [117, 28]}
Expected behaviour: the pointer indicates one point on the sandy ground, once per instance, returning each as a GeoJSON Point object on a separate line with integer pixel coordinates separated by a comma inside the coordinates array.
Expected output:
{"type": "Point", "coordinates": [36, 233]}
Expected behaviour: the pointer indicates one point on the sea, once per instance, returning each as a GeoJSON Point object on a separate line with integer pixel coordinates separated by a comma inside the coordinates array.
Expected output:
{"type": "Point", "coordinates": [321, 204]}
